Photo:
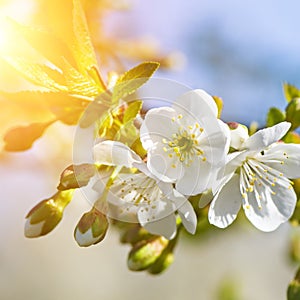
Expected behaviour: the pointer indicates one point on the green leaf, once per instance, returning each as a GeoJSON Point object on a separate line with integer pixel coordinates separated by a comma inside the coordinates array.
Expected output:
{"type": "Point", "coordinates": [132, 110]}
{"type": "Point", "coordinates": [42, 40]}
{"type": "Point", "coordinates": [293, 292]}
{"type": "Point", "coordinates": [293, 113]}
{"type": "Point", "coordinates": [130, 81]}
{"type": "Point", "coordinates": [275, 116]}
{"type": "Point", "coordinates": [290, 92]}
{"type": "Point", "coordinates": [292, 137]}
{"type": "Point", "coordinates": [95, 110]}
{"type": "Point", "coordinates": [21, 138]}
{"type": "Point", "coordinates": [76, 176]}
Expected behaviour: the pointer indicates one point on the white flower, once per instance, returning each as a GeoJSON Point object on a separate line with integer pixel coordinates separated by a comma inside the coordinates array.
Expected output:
{"type": "Point", "coordinates": [186, 142]}
{"type": "Point", "coordinates": [154, 202]}
{"type": "Point", "coordinates": [256, 177]}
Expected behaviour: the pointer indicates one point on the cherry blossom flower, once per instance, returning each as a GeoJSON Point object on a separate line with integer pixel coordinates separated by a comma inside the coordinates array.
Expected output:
{"type": "Point", "coordinates": [186, 142]}
{"type": "Point", "coordinates": [257, 178]}
{"type": "Point", "coordinates": [154, 202]}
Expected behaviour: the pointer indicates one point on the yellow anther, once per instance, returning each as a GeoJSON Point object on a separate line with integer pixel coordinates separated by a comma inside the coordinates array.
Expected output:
{"type": "Point", "coordinates": [173, 166]}
{"type": "Point", "coordinates": [176, 149]}
{"type": "Point", "coordinates": [195, 142]}
{"type": "Point", "coordinates": [170, 155]}
{"type": "Point", "coordinates": [201, 129]}
{"type": "Point", "coordinates": [165, 149]}
{"type": "Point", "coordinates": [197, 125]}
{"type": "Point", "coordinates": [190, 127]}
{"type": "Point", "coordinates": [203, 158]}
{"type": "Point", "coordinates": [180, 117]}
{"type": "Point", "coordinates": [244, 195]}
{"type": "Point", "coordinates": [193, 136]}
{"type": "Point", "coordinates": [173, 119]}
{"type": "Point", "coordinates": [248, 206]}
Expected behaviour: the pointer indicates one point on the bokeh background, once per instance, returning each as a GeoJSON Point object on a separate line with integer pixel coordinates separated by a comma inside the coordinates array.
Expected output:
{"type": "Point", "coordinates": [240, 50]}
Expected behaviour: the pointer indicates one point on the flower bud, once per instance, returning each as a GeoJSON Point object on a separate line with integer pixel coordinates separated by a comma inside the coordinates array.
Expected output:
{"type": "Point", "coordinates": [162, 263]}
{"type": "Point", "coordinates": [91, 229]}
{"type": "Point", "coordinates": [44, 217]}
{"type": "Point", "coordinates": [135, 234]}
{"type": "Point", "coordinates": [239, 134]}
{"type": "Point", "coordinates": [146, 252]}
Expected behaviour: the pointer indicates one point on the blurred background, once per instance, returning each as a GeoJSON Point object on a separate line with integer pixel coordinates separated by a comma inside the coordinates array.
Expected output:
{"type": "Point", "coordinates": [240, 50]}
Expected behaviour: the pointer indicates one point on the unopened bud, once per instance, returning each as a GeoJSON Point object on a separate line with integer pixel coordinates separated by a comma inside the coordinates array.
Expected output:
{"type": "Point", "coordinates": [44, 217]}
{"type": "Point", "coordinates": [91, 229]}
{"type": "Point", "coordinates": [135, 234]}
{"type": "Point", "coordinates": [239, 134]}
{"type": "Point", "coordinates": [162, 263]}
{"type": "Point", "coordinates": [146, 252]}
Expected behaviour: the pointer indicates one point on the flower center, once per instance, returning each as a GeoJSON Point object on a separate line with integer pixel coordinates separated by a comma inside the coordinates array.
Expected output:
{"type": "Point", "coordinates": [258, 178]}
{"type": "Point", "coordinates": [185, 144]}
{"type": "Point", "coordinates": [136, 189]}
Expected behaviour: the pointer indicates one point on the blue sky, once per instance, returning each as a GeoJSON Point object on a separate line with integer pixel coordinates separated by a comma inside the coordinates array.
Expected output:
{"type": "Point", "coordinates": [240, 50]}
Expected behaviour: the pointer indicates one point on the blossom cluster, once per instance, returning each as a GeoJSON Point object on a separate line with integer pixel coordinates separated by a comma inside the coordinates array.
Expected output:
{"type": "Point", "coordinates": [192, 152]}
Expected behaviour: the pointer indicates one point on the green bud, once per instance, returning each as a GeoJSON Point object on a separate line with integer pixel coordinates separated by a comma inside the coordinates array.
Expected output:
{"type": "Point", "coordinates": [293, 113]}
{"type": "Point", "coordinates": [91, 229]}
{"type": "Point", "coordinates": [293, 292]}
{"type": "Point", "coordinates": [162, 263]}
{"type": "Point", "coordinates": [76, 176]}
{"type": "Point", "coordinates": [146, 252]}
{"type": "Point", "coordinates": [135, 234]}
{"type": "Point", "coordinates": [295, 247]}
{"type": "Point", "coordinates": [44, 217]}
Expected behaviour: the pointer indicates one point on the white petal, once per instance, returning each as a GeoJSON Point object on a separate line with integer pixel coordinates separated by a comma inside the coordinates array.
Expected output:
{"type": "Point", "coordinates": [115, 154]}
{"type": "Point", "coordinates": [226, 204]}
{"type": "Point", "coordinates": [196, 103]}
{"type": "Point", "coordinates": [275, 209]}
{"type": "Point", "coordinates": [224, 174]}
{"type": "Point", "coordinates": [188, 217]}
{"type": "Point", "coordinates": [216, 142]}
{"type": "Point", "coordinates": [197, 178]}
{"type": "Point", "coordinates": [160, 221]}
{"type": "Point", "coordinates": [291, 161]}
{"type": "Point", "coordinates": [205, 198]}
{"type": "Point", "coordinates": [265, 137]}
{"type": "Point", "coordinates": [162, 166]}
{"type": "Point", "coordinates": [33, 230]}
{"type": "Point", "coordinates": [158, 125]}
{"type": "Point", "coordinates": [185, 210]}
{"type": "Point", "coordinates": [85, 239]}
